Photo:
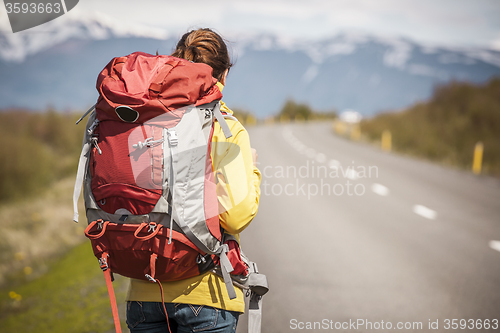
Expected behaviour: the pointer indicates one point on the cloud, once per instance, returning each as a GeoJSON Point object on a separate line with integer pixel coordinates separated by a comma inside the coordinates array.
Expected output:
{"type": "Point", "coordinates": [495, 44]}
{"type": "Point", "coordinates": [466, 22]}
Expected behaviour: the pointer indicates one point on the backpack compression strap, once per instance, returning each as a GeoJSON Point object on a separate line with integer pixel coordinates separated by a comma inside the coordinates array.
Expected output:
{"type": "Point", "coordinates": [256, 284]}
{"type": "Point", "coordinates": [258, 287]}
{"type": "Point", "coordinates": [112, 299]}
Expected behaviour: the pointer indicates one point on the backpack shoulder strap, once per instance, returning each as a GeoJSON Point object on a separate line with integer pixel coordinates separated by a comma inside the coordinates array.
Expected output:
{"type": "Point", "coordinates": [222, 122]}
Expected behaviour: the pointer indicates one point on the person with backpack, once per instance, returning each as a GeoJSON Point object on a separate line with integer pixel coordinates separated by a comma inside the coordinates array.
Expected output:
{"type": "Point", "coordinates": [202, 303]}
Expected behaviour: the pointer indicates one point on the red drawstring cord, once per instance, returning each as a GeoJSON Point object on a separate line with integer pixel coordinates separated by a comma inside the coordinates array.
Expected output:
{"type": "Point", "coordinates": [163, 303]}
{"type": "Point", "coordinates": [152, 267]}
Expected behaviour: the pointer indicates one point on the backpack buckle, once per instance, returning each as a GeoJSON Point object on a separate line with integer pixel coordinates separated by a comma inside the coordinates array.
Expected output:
{"type": "Point", "coordinates": [92, 127]}
{"type": "Point", "coordinates": [172, 138]}
{"type": "Point", "coordinates": [208, 114]}
{"type": "Point", "coordinates": [200, 259]}
{"type": "Point", "coordinates": [104, 263]}
{"type": "Point", "coordinates": [152, 227]}
{"type": "Point", "coordinates": [150, 278]}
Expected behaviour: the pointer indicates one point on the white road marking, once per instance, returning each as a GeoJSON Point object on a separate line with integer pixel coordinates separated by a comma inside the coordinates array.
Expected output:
{"type": "Point", "coordinates": [299, 147]}
{"type": "Point", "coordinates": [320, 158]}
{"type": "Point", "coordinates": [334, 164]}
{"type": "Point", "coordinates": [380, 189]}
{"type": "Point", "coordinates": [310, 153]}
{"type": "Point", "coordinates": [495, 245]}
{"type": "Point", "coordinates": [351, 174]}
{"type": "Point", "coordinates": [425, 212]}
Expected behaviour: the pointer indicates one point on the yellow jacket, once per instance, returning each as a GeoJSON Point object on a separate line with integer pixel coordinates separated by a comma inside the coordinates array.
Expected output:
{"type": "Point", "coordinates": [238, 191]}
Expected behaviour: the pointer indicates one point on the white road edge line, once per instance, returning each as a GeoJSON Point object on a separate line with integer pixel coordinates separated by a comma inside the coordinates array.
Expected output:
{"type": "Point", "coordinates": [425, 212]}
{"type": "Point", "coordinates": [495, 245]}
{"type": "Point", "coordinates": [380, 189]}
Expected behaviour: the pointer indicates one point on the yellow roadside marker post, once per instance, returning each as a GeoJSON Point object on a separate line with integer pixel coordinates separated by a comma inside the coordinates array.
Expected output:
{"type": "Point", "coordinates": [355, 132]}
{"type": "Point", "coordinates": [340, 127]}
{"type": "Point", "coordinates": [477, 161]}
{"type": "Point", "coordinates": [386, 140]}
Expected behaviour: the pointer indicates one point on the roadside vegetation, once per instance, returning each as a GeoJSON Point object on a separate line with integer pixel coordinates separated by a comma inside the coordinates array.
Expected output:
{"type": "Point", "coordinates": [245, 117]}
{"type": "Point", "coordinates": [292, 110]}
{"type": "Point", "coordinates": [38, 160]}
{"type": "Point", "coordinates": [446, 128]}
{"type": "Point", "coordinates": [36, 150]}
{"type": "Point", "coordinates": [50, 280]}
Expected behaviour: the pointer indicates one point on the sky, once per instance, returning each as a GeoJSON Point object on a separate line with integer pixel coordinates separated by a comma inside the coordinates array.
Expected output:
{"type": "Point", "coordinates": [451, 22]}
{"type": "Point", "coordinates": [436, 22]}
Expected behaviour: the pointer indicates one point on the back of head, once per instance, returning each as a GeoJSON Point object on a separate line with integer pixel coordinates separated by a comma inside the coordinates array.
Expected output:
{"type": "Point", "coordinates": [205, 46]}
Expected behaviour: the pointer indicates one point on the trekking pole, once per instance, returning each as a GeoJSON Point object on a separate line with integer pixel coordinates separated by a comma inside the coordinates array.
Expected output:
{"type": "Point", "coordinates": [86, 113]}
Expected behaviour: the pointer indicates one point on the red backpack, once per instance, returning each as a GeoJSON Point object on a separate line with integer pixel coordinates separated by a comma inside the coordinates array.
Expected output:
{"type": "Point", "coordinates": [148, 180]}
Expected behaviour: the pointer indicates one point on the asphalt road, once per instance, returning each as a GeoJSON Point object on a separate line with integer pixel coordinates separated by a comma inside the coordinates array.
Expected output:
{"type": "Point", "coordinates": [398, 244]}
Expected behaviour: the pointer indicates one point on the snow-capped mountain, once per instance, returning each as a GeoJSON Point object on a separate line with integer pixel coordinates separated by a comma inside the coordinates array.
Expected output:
{"type": "Point", "coordinates": [354, 71]}
{"type": "Point", "coordinates": [94, 26]}
{"type": "Point", "coordinates": [58, 67]}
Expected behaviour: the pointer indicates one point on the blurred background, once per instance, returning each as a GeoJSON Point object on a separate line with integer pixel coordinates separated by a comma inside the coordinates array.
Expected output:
{"type": "Point", "coordinates": [390, 108]}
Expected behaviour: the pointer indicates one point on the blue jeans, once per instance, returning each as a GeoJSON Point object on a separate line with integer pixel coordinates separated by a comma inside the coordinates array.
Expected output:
{"type": "Point", "coordinates": [149, 317]}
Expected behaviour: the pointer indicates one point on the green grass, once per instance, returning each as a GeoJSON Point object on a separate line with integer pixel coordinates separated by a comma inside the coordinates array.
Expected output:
{"type": "Point", "coordinates": [36, 229]}
{"type": "Point", "coordinates": [70, 297]}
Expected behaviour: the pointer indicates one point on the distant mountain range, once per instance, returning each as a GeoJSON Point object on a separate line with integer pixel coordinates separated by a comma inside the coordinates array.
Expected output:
{"type": "Point", "coordinates": [365, 73]}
